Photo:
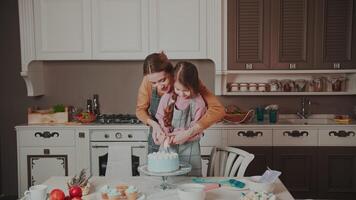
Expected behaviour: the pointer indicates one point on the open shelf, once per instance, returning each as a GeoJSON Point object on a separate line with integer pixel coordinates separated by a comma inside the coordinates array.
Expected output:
{"type": "Point", "coordinates": [286, 93]}
{"type": "Point", "coordinates": [267, 76]}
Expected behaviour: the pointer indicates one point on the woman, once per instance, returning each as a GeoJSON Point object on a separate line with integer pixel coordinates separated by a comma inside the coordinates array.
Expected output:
{"type": "Point", "coordinates": [158, 80]}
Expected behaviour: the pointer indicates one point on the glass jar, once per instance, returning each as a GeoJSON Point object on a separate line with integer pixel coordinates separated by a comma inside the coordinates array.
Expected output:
{"type": "Point", "coordinates": [262, 87]}
{"type": "Point", "coordinates": [243, 87]}
{"type": "Point", "coordinates": [252, 87]}
{"type": "Point", "coordinates": [234, 87]}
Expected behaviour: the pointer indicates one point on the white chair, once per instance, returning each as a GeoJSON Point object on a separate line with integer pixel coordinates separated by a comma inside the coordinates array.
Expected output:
{"type": "Point", "coordinates": [228, 162]}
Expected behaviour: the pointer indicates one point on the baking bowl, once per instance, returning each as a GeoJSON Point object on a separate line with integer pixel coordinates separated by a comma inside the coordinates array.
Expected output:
{"type": "Point", "coordinates": [191, 191]}
{"type": "Point", "coordinates": [254, 185]}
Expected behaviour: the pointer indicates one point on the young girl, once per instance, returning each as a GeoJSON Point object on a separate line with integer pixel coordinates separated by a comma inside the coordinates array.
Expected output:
{"type": "Point", "coordinates": [180, 110]}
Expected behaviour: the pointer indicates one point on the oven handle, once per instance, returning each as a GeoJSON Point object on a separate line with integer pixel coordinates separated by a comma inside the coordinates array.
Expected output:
{"type": "Point", "coordinates": [106, 146]}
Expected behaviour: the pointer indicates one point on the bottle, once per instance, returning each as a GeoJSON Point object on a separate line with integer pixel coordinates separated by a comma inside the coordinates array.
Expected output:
{"type": "Point", "coordinates": [89, 106]}
{"type": "Point", "coordinates": [96, 105]}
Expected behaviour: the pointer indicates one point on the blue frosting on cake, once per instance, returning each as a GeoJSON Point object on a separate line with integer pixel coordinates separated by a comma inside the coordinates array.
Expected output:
{"type": "Point", "coordinates": [163, 162]}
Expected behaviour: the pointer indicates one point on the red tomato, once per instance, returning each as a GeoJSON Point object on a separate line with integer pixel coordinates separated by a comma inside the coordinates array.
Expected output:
{"type": "Point", "coordinates": [75, 191]}
{"type": "Point", "coordinates": [57, 194]}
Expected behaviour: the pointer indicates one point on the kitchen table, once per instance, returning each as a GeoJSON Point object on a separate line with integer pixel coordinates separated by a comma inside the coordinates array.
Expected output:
{"type": "Point", "coordinates": [147, 185]}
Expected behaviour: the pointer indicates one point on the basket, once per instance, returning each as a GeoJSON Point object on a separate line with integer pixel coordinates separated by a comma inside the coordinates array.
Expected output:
{"type": "Point", "coordinates": [239, 118]}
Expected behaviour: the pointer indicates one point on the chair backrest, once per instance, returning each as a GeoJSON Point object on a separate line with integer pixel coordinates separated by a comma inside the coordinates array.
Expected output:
{"type": "Point", "coordinates": [228, 162]}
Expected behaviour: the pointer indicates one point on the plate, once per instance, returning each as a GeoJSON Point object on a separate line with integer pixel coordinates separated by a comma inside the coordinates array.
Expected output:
{"type": "Point", "coordinates": [184, 168]}
{"type": "Point", "coordinates": [141, 196]}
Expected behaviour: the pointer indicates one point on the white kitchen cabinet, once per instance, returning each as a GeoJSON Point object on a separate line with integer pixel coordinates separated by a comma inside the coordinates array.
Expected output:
{"type": "Point", "coordinates": [50, 151]}
{"type": "Point", "coordinates": [249, 137]}
{"type": "Point", "coordinates": [120, 29]}
{"type": "Point", "coordinates": [179, 28]}
{"type": "Point", "coordinates": [37, 164]}
{"type": "Point", "coordinates": [62, 29]}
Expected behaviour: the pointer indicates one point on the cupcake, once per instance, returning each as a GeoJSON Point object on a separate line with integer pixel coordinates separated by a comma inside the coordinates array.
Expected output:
{"type": "Point", "coordinates": [104, 192]}
{"type": "Point", "coordinates": [121, 188]}
{"type": "Point", "coordinates": [131, 193]}
{"type": "Point", "coordinates": [113, 194]}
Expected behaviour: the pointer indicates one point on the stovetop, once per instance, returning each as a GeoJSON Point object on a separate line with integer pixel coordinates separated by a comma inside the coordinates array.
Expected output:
{"type": "Point", "coordinates": [117, 119]}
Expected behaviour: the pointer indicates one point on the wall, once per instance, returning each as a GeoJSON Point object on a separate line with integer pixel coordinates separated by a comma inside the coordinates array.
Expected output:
{"type": "Point", "coordinates": [73, 82]}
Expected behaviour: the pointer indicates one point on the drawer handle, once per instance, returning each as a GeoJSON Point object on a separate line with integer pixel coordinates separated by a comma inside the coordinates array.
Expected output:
{"type": "Point", "coordinates": [342, 133]}
{"type": "Point", "coordinates": [295, 133]}
{"type": "Point", "coordinates": [249, 133]}
{"type": "Point", "coordinates": [46, 134]}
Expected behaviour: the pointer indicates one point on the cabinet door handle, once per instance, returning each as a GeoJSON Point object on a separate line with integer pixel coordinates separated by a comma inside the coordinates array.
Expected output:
{"type": "Point", "coordinates": [342, 133]}
{"type": "Point", "coordinates": [296, 133]}
{"type": "Point", "coordinates": [46, 134]}
{"type": "Point", "coordinates": [249, 133]}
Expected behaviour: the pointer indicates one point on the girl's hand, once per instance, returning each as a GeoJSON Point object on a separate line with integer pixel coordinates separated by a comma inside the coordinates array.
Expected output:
{"type": "Point", "coordinates": [180, 137]}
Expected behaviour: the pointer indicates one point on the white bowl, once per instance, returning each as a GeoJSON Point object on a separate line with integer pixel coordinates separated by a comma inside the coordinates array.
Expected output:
{"type": "Point", "coordinates": [254, 185]}
{"type": "Point", "coordinates": [191, 191]}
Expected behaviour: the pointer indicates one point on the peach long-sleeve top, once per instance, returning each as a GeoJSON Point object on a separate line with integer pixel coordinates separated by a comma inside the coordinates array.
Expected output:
{"type": "Point", "coordinates": [215, 110]}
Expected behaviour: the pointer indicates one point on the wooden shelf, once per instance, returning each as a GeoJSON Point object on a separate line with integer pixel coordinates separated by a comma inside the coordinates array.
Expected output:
{"type": "Point", "coordinates": [336, 71]}
{"type": "Point", "coordinates": [286, 93]}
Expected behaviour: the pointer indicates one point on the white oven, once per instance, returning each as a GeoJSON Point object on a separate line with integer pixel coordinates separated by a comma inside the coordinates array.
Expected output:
{"type": "Point", "coordinates": [100, 140]}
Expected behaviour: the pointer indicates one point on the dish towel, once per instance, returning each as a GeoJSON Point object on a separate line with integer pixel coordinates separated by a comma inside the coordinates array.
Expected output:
{"type": "Point", "coordinates": [119, 161]}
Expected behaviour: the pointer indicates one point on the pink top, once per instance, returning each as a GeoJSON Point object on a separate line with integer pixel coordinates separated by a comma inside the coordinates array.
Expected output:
{"type": "Point", "coordinates": [181, 104]}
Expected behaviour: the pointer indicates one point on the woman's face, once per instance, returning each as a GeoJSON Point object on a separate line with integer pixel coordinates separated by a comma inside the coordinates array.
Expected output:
{"type": "Point", "coordinates": [181, 90]}
{"type": "Point", "coordinates": [160, 80]}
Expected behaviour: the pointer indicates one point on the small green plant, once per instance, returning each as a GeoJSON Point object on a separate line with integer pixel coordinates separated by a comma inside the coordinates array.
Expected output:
{"type": "Point", "coordinates": [58, 108]}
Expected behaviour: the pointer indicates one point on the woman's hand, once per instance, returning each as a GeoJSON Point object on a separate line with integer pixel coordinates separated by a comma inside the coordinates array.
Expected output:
{"type": "Point", "coordinates": [157, 132]}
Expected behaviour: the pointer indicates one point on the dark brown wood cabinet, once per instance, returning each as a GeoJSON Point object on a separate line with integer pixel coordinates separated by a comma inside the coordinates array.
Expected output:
{"type": "Point", "coordinates": [262, 160]}
{"type": "Point", "coordinates": [291, 34]}
{"type": "Point", "coordinates": [298, 167]}
{"type": "Point", "coordinates": [335, 34]}
{"type": "Point", "coordinates": [248, 34]}
{"type": "Point", "coordinates": [292, 24]}
{"type": "Point", "coordinates": [337, 172]}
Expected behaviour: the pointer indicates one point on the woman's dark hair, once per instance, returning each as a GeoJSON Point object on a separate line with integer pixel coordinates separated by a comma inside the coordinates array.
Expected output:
{"type": "Point", "coordinates": [157, 62]}
{"type": "Point", "coordinates": [186, 74]}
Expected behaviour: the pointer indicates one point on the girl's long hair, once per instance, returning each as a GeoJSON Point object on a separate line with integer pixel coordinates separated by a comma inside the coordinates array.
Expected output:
{"type": "Point", "coordinates": [157, 62]}
{"type": "Point", "coordinates": [186, 74]}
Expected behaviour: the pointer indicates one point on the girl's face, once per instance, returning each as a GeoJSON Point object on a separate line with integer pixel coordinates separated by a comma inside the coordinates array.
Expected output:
{"type": "Point", "coordinates": [181, 90]}
{"type": "Point", "coordinates": [160, 80]}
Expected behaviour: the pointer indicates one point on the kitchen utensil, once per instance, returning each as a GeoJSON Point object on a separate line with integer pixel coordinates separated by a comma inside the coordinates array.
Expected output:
{"type": "Point", "coordinates": [191, 191]}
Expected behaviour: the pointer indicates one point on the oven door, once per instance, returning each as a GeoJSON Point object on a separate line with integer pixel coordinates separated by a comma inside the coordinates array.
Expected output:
{"type": "Point", "coordinates": [99, 156]}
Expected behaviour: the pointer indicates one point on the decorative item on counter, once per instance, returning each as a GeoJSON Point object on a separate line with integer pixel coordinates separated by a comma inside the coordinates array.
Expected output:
{"type": "Point", "coordinates": [235, 115]}
{"type": "Point", "coordinates": [81, 181]}
{"type": "Point", "coordinates": [342, 119]}
{"type": "Point", "coordinates": [85, 117]}
{"type": "Point", "coordinates": [57, 114]}
{"type": "Point", "coordinates": [96, 105]}
{"type": "Point", "coordinates": [89, 105]}
{"type": "Point", "coordinates": [260, 113]}
{"type": "Point", "coordinates": [272, 113]}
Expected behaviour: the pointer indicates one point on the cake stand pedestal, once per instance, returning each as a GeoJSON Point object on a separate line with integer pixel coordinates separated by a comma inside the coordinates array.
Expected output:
{"type": "Point", "coordinates": [184, 168]}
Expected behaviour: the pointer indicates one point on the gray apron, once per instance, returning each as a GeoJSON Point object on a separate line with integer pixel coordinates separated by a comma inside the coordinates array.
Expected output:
{"type": "Point", "coordinates": [188, 152]}
{"type": "Point", "coordinates": [155, 98]}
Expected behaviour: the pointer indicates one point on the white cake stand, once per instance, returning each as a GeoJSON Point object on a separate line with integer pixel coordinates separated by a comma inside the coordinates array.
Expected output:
{"type": "Point", "coordinates": [184, 168]}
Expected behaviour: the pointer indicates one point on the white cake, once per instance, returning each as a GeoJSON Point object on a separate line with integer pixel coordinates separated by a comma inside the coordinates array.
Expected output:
{"type": "Point", "coordinates": [163, 162]}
